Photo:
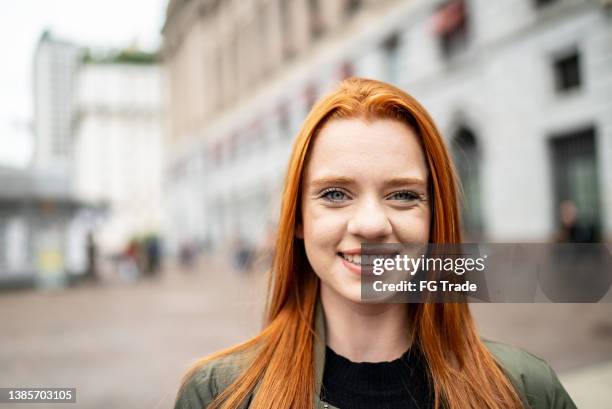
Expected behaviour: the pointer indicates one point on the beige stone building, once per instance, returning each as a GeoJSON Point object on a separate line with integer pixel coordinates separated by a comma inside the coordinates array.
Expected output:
{"type": "Point", "coordinates": [218, 53]}
{"type": "Point", "coordinates": [519, 88]}
{"type": "Point", "coordinates": [218, 56]}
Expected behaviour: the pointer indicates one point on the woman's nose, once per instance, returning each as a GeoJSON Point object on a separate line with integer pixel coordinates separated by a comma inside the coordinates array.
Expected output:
{"type": "Point", "coordinates": [369, 221]}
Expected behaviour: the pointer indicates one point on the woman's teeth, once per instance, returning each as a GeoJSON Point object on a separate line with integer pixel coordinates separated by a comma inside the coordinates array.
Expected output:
{"type": "Point", "coordinates": [352, 258]}
{"type": "Point", "coordinates": [366, 260]}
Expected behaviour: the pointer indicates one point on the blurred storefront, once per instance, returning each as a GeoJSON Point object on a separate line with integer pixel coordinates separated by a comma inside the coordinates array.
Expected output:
{"type": "Point", "coordinates": [43, 232]}
{"type": "Point", "coordinates": [520, 90]}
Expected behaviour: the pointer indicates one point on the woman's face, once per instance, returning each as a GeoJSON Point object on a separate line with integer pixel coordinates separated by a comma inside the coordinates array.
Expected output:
{"type": "Point", "coordinates": [365, 182]}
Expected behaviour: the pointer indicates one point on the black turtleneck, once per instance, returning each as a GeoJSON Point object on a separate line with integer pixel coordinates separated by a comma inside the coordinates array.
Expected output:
{"type": "Point", "coordinates": [399, 384]}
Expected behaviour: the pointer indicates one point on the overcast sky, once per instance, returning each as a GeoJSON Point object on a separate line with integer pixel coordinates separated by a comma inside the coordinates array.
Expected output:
{"type": "Point", "coordinates": [99, 23]}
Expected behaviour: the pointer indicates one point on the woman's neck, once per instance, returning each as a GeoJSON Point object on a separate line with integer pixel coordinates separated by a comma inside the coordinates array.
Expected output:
{"type": "Point", "coordinates": [365, 332]}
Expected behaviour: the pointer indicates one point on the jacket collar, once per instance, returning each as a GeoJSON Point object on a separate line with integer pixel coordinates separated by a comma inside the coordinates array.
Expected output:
{"type": "Point", "coordinates": [319, 355]}
{"type": "Point", "coordinates": [319, 346]}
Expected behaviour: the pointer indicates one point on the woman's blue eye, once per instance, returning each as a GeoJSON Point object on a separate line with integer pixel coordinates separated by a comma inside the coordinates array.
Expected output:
{"type": "Point", "coordinates": [405, 196]}
{"type": "Point", "coordinates": [334, 195]}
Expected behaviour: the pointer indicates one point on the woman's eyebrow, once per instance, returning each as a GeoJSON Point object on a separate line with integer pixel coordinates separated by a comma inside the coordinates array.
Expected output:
{"type": "Point", "coordinates": [397, 182]}
{"type": "Point", "coordinates": [344, 181]}
{"type": "Point", "coordinates": [331, 180]}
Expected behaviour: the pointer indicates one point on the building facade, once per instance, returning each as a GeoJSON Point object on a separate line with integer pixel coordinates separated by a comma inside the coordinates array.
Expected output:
{"type": "Point", "coordinates": [519, 88]}
{"type": "Point", "coordinates": [54, 77]}
{"type": "Point", "coordinates": [117, 144]}
{"type": "Point", "coordinates": [43, 234]}
{"type": "Point", "coordinates": [43, 227]}
{"type": "Point", "coordinates": [95, 179]}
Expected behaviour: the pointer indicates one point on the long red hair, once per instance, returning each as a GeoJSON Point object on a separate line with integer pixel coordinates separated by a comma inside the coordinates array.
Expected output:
{"type": "Point", "coordinates": [464, 374]}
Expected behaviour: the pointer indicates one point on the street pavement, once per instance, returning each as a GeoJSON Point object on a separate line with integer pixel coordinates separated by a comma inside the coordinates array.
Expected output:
{"type": "Point", "coordinates": [575, 339]}
{"type": "Point", "coordinates": [126, 345]}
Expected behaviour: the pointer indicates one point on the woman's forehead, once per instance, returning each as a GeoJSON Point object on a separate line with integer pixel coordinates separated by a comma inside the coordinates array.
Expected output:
{"type": "Point", "coordinates": [355, 148]}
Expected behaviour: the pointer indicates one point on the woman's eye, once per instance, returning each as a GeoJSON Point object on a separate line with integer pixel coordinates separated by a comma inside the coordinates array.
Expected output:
{"type": "Point", "coordinates": [334, 195]}
{"type": "Point", "coordinates": [404, 196]}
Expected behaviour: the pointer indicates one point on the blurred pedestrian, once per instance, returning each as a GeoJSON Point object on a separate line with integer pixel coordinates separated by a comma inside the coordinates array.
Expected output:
{"type": "Point", "coordinates": [186, 255]}
{"type": "Point", "coordinates": [572, 229]}
{"type": "Point", "coordinates": [92, 258]}
{"type": "Point", "coordinates": [129, 266]}
{"type": "Point", "coordinates": [152, 249]}
{"type": "Point", "coordinates": [242, 254]}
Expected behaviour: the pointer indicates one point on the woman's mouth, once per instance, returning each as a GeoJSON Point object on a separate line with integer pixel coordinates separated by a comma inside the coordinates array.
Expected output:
{"type": "Point", "coordinates": [362, 264]}
{"type": "Point", "coordinates": [355, 258]}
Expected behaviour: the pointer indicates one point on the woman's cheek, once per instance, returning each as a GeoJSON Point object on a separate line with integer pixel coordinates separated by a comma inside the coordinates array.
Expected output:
{"type": "Point", "coordinates": [412, 228]}
{"type": "Point", "coordinates": [319, 221]}
{"type": "Point", "coordinates": [329, 228]}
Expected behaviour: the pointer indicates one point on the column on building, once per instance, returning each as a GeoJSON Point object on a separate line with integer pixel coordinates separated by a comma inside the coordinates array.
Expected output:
{"type": "Point", "coordinates": [227, 50]}
{"type": "Point", "coordinates": [331, 13]}
{"type": "Point", "coordinates": [208, 72]}
{"type": "Point", "coordinates": [242, 54]}
{"type": "Point", "coordinates": [273, 33]}
{"type": "Point", "coordinates": [300, 25]}
{"type": "Point", "coordinates": [263, 41]}
{"type": "Point", "coordinates": [176, 87]}
{"type": "Point", "coordinates": [195, 75]}
{"type": "Point", "coordinates": [219, 64]}
{"type": "Point", "coordinates": [287, 32]}
{"type": "Point", "coordinates": [202, 74]}
{"type": "Point", "coordinates": [253, 50]}
{"type": "Point", "coordinates": [185, 92]}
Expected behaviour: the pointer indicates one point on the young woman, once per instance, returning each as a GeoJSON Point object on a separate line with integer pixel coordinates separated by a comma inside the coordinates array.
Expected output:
{"type": "Point", "coordinates": [369, 166]}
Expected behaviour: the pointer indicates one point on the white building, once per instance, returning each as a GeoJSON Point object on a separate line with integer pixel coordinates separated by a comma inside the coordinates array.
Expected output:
{"type": "Point", "coordinates": [98, 129]}
{"type": "Point", "coordinates": [520, 89]}
{"type": "Point", "coordinates": [54, 74]}
{"type": "Point", "coordinates": [118, 144]}
{"type": "Point", "coordinates": [42, 227]}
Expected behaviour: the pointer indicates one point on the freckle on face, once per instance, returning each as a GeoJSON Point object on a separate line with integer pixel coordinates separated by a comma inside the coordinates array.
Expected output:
{"type": "Point", "coordinates": [367, 156]}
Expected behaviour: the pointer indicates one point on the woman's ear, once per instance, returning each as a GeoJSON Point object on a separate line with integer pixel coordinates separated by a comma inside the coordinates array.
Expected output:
{"type": "Point", "coordinates": [299, 231]}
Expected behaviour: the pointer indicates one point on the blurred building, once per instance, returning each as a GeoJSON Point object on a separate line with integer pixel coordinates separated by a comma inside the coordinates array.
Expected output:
{"type": "Point", "coordinates": [520, 89]}
{"type": "Point", "coordinates": [43, 226]}
{"type": "Point", "coordinates": [54, 77]}
{"type": "Point", "coordinates": [95, 175]}
{"type": "Point", "coordinates": [42, 233]}
{"type": "Point", "coordinates": [117, 143]}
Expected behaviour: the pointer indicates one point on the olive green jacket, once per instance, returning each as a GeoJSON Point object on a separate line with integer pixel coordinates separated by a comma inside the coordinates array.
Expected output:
{"type": "Point", "coordinates": [535, 381]}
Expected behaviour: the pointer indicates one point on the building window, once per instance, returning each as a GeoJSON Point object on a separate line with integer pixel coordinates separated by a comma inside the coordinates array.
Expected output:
{"type": "Point", "coordinates": [256, 137]}
{"type": "Point", "coordinates": [310, 96]}
{"type": "Point", "coordinates": [261, 24]}
{"type": "Point", "coordinates": [316, 19]}
{"type": "Point", "coordinates": [206, 158]}
{"type": "Point", "coordinates": [466, 155]}
{"type": "Point", "coordinates": [284, 121]}
{"type": "Point", "coordinates": [391, 48]}
{"type": "Point", "coordinates": [218, 78]}
{"type": "Point", "coordinates": [576, 185]}
{"type": "Point", "coordinates": [544, 3]}
{"type": "Point", "coordinates": [352, 6]}
{"type": "Point", "coordinates": [346, 70]}
{"type": "Point", "coordinates": [218, 153]}
{"type": "Point", "coordinates": [450, 25]}
{"type": "Point", "coordinates": [287, 27]}
{"type": "Point", "coordinates": [3, 245]}
{"type": "Point", "coordinates": [567, 72]}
